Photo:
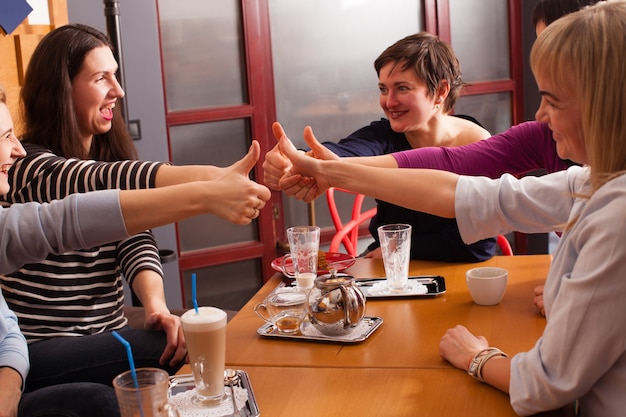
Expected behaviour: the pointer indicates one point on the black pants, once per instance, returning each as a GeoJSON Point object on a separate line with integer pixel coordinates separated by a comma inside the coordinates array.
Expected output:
{"type": "Point", "coordinates": [95, 358]}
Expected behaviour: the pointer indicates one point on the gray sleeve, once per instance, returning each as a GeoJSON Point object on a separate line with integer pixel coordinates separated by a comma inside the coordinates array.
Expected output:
{"type": "Point", "coordinates": [31, 231]}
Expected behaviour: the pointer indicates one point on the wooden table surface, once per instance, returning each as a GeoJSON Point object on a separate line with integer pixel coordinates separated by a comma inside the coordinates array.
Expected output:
{"type": "Point", "coordinates": [397, 371]}
{"type": "Point", "coordinates": [409, 336]}
{"type": "Point", "coordinates": [355, 392]}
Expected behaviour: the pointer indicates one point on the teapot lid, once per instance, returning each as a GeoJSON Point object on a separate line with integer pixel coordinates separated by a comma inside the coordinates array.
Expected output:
{"type": "Point", "coordinates": [333, 279]}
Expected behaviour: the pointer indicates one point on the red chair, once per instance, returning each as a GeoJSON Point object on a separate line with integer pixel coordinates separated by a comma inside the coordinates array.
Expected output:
{"type": "Point", "coordinates": [505, 246]}
{"type": "Point", "coordinates": [348, 233]}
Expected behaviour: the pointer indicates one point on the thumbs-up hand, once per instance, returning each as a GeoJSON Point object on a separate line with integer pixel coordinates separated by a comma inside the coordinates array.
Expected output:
{"type": "Point", "coordinates": [238, 199]}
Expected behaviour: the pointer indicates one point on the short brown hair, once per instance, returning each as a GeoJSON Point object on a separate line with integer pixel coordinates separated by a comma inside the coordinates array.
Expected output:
{"type": "Point", "coordinates": [432, 60]}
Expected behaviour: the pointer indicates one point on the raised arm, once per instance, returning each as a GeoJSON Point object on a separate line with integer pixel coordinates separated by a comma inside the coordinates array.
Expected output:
{"type": "Point", "coordinates": [180, 174]}
{"type": "Point", "coordinates": [42, 176]}
{"type": "Point", "coordinates": [233, 197]}
{"type": "Point", "coordinates": [408, 188]}
{"type": "Point", "coordinates": [32, 231]}
{"type": "Point", "coordinates": [523, 148]}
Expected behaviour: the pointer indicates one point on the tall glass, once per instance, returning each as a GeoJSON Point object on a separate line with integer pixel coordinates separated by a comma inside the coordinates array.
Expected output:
{"type": "Point", "coordinates": [395, 244]}
{"type": "Point", "coordinates": [205, 334]}
{"type": "Point", "coordinates": [304, 244]}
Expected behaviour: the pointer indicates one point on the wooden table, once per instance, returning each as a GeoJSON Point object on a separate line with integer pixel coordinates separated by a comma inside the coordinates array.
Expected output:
{"type": "Point", "coordinates": [409, 336]}
{"type": "Point", "coordinates": [397, 371]}
{"type": "Point", "coordinates": [363, 392]}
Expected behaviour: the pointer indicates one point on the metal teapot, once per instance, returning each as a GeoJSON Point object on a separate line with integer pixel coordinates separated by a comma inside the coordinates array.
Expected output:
{"type": "Point", "coordinates": [335, 304]}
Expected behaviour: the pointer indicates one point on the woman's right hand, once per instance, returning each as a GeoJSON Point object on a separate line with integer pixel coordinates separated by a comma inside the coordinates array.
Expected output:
{"type": "Point", "coordinates": [298, 183]}
{"type": "Point", "coordinates": [10, 391]}
{"type": "Point", "coordinates": [458, 346]}
{"type": "Point", "coordinates": [538, 300]}
{"type": "Point", "coordinates": [236, 197]}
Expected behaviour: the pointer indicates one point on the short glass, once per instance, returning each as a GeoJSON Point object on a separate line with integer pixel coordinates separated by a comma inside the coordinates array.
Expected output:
{"type": "Point", "coordinates": [284, 308]}
{"type": "Point", "coordinates": [150, 398]}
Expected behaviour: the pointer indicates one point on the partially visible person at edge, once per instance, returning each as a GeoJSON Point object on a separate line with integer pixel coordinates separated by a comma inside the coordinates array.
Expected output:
{"type": "Point", "coordinates": [518, 151]}
{"type": "Point", "coordinates": [31, 231]}
{"type": "Point", "coordinates": [419, 78]}
{"type": "Point", "coordinates": [581, 355]}
{"type": "Point", "coordinates": [76, 141]}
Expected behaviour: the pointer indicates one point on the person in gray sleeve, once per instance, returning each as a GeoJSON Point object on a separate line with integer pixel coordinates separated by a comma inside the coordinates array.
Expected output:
{"type": "Point", "coordinates": [30, 231]}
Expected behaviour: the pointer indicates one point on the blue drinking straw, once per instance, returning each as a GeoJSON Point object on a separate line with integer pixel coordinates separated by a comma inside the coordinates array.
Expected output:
{"type": "Point", "coordinates": [194, 299]}
{"type": "Point", "coordinates": [129, 352]}
{"type": "Point", "coordinates": [131, 362]}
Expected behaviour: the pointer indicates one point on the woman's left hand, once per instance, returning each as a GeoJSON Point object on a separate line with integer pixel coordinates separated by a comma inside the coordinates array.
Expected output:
{"type": "Point", "coordinates": [176, 348]}
{"type": "Point", "coordinates": [458, 346]}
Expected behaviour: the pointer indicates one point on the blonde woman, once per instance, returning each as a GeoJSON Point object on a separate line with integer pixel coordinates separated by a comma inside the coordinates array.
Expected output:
{"type": "Point", "coordinates": [578, 64]}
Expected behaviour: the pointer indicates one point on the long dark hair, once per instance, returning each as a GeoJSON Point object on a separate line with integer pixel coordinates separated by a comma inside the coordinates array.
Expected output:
{"type": "Point", "coordinates": [46, 98]}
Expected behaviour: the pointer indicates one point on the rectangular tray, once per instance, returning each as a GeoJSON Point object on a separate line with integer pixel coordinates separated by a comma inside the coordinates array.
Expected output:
{"type": "Point", "coordinates": [367, 326]}
{"type": "Point", "coordinates": [435, 285]}
{"type": "Point", "coordinates": [183, 382]}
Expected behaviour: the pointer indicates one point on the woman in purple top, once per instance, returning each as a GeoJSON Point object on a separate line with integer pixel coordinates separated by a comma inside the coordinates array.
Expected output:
{"type": "Point", "coordinates": [519, 150]}
{"type": "Point", "coordinates": [419, 79]}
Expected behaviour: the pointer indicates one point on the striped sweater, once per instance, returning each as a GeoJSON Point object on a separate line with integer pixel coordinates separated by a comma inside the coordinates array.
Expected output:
{"type": "Point", "coordinates": [80, 292]}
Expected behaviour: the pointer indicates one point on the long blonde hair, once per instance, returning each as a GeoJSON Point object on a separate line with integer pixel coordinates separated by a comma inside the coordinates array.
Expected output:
{"type": "Point", "coordinates": [584, 52]}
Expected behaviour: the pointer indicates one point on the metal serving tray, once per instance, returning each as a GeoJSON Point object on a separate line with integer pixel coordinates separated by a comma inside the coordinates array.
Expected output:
{"type": "Point", "coordinates": [435, 285]}
{"type": "Point", "coordinates": [307, 332]}
{"type": "Point", "coordinates": [184, 382]}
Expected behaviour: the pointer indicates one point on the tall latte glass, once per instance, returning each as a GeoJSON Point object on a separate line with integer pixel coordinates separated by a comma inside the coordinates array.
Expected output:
{"type": "Point", "coordinates": [205, 333]}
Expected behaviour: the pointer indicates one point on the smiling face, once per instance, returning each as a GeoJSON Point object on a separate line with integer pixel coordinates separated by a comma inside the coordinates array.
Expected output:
{"type": "Point", "coordinates": [95, 91]}
{"type": "Point", "coordinates": [10, 147]}
{"type": "Point", "coordinates": [404, 98]}
{"type": "Point", "coordinates": [561, 109]}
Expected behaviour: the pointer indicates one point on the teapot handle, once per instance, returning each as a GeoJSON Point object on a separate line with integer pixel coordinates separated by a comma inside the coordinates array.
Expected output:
{"type": "Point", "coordinates": [352, 307]}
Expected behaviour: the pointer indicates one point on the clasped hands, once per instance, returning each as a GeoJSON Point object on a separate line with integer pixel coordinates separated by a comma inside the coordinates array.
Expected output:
{"type": "Point", "coordinates": [296, 172]}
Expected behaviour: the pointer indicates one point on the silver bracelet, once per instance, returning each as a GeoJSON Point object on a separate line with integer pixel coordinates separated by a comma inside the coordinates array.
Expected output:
{"type": "Point", "coordinates": [475, 368]}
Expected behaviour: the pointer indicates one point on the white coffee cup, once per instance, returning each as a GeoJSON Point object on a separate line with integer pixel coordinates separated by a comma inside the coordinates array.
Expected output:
{"type": "Point", "coordinates": [487, 284]}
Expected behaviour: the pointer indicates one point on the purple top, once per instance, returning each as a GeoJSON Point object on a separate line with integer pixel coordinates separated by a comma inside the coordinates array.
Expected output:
{"type": "Point", "coordinates": [519, 150]}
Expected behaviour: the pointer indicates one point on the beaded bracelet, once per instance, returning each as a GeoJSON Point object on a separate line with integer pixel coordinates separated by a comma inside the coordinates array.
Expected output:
{"type": "Point", "coordinates": [475, 368]}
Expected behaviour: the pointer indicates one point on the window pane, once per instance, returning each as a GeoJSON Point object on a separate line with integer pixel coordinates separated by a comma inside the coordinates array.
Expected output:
{"type": "Point", "coordinates": [215, 143]}
{"type": "Point", "coordinates": [491, 110]}
{"type": "Point", "coordinates": [480, 38]}
{"type": "Point", "coordinates": [324, 75]}
{"type": "Point", "coordinates": [203, 59]}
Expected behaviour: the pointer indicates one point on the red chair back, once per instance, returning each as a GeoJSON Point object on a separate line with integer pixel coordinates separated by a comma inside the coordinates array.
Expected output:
{"type": "Point", "coordinates": [347, 233]}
